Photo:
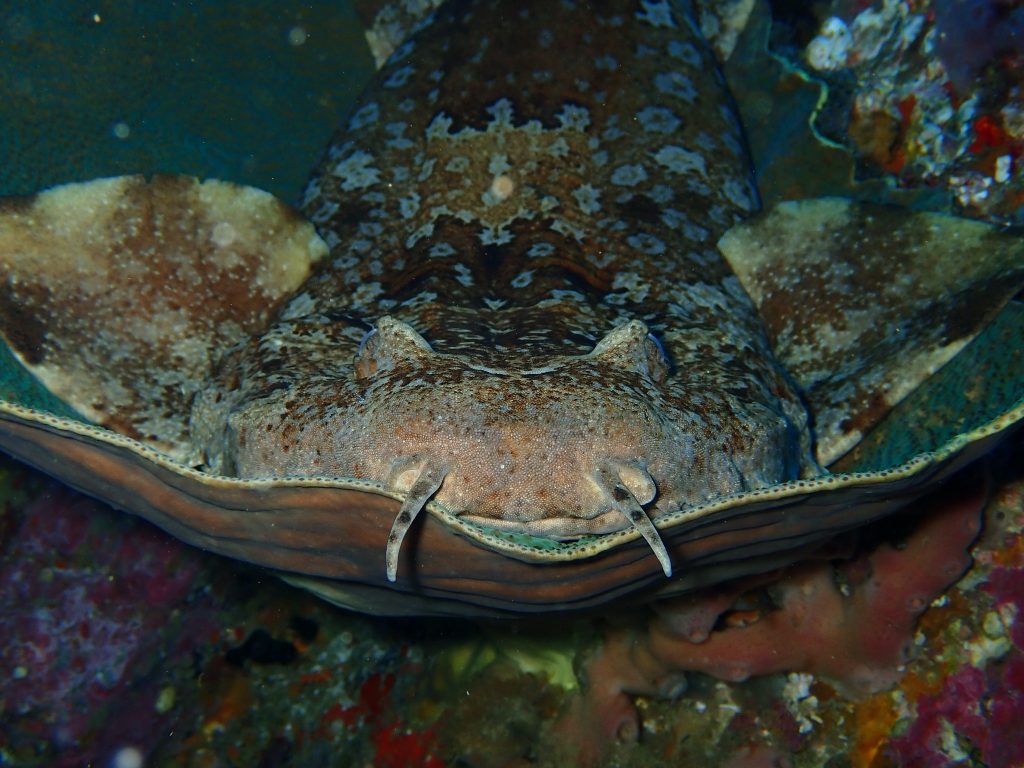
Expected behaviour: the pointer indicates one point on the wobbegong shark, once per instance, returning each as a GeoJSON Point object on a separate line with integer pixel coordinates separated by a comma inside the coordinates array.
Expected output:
{"type": "Point", "coordinates": [526, 345]}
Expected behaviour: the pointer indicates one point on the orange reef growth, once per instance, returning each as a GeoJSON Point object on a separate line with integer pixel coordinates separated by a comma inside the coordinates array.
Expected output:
{"type": "Point", "coordinates": [851, 622]}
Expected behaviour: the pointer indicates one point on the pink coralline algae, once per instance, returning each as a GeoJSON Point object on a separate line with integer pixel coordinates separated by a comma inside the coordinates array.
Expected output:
{"type": "Point", "coordinates": [856, 631]}
{"type": "Point", "coordinates": [978, 710]}
{"type": "Point", "coordinates": [81, 604]}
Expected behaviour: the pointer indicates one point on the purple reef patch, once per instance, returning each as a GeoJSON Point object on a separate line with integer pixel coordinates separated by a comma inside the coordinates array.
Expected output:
{"type": "Point", "coordinates": [88, 597]}
{"type": "Point", "coordinates": [976, 713]}
{"type": "Point", "coordinates": [974, 33]}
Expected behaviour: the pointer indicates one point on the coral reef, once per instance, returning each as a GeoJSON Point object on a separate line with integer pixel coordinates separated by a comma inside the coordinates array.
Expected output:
{"type": "Point", "coordinates": [858, 639]}
{"type": "Point", "coordinates": [974, 712]}
{"type": "Point", "coordinates": [87, 601]}
{"type": "Point", "coordinates": [122, 644]}
{"type": "Point", "coordinates": [928, 94]}
{"type": "Point", "coordinates": [851, 622]}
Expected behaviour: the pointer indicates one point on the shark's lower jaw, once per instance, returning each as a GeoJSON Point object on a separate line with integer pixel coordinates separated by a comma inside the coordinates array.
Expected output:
{"type": "Point", "coordinates": [579, 446]}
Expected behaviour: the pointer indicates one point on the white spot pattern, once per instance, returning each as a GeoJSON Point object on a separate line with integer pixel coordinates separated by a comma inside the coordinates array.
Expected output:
{"type": "Point", "coordinates": [676, 84]}
{"type": "Point", "coordinates": [656, 13]}
{"type": "Point", "coordinates": [680, 160]}
{"type": "Point", "coordinates": [658, 120]}
{"type": "Point", "coordinates": [587, 198]}
{"type": "Point", "coordinates": [364, 116]}
{"type": "Point", "coordinates": [357, 171]}
{"type": "Point", "coordinates": [628, 175]}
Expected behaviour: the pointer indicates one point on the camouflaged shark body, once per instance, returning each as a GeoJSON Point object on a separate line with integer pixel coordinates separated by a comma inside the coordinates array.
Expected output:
{"type": "Point", "coordinates": [542, 229]}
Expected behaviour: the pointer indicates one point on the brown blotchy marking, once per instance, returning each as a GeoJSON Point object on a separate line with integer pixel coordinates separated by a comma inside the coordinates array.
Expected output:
{"type": "Point", "coordinates": [23, 320]}
{"type": "Point", "coordinates": [641, 208]}
{"type": "Point", "coordinates": [17, 204]}
{"type": "Point", "coordinates": [875, 406]}
{"type": "Point", "coordinates": [959, 311]}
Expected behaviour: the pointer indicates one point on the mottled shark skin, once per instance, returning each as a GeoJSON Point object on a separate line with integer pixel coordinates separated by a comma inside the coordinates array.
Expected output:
{"type": "Point", "coordinates": [536, 309]}
{"type": "Point", "coordinates": [562, 331]}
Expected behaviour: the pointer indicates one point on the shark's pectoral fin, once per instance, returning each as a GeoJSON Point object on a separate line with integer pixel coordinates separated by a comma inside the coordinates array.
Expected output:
{"type": "Point", "coordinates": [120, 293]}
{"type": "Point", "coordinates": [864, 302]}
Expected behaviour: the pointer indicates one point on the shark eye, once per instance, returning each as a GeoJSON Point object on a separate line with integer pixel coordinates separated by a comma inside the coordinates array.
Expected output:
{"type": "Point", "coordinates": [652, 339]}
{"type": "Point", "coordinates": [632, 345]}
{"type": "Point", "coordinates": [365, 340]}
{"type": "Point", "coordinates": [658, 364]}
{"type": "Point", "coordinates": [390, 343]}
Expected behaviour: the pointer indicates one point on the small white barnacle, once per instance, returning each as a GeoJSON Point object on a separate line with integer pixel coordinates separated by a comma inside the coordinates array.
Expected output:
{"type": "Point", "coordinates": [223, 234]}
{"type": "Point", "coordinates": [502, 187]}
